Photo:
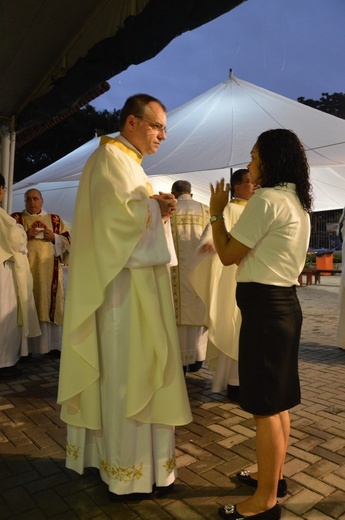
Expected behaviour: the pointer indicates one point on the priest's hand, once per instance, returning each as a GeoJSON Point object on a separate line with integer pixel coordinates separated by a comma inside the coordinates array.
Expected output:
{"type": "Point", "coordinates": [36, 230]}
{"type": "Point", "coordinates": [49, 235]}
{"type": "Point", "coordinates": [167, 204]}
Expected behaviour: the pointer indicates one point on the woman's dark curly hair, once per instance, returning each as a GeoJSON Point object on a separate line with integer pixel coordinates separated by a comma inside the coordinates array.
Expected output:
{"type": "Point", "coordinates": [282, 159]}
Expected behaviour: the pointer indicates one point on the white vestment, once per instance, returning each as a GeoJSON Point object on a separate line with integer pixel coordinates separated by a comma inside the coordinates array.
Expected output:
{"type": "Point", "coordinates": [18, 318]}
{"type": "Point", "coordinates": [10, 331]}
{"type": "Point", "coordinates": [48, 279]}
{"type": "Point", "coordinates": [121, 384]}
{"type": "Point", "coordinates": [216, 286]}
{"type": "Point", "coordinates": [188, 225]}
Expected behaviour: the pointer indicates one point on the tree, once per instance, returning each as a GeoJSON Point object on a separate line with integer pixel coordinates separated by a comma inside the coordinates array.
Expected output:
{"type": "Point", "coordinates": [62, 139]}
{"type": "Point", "coordinates": [333, 104]}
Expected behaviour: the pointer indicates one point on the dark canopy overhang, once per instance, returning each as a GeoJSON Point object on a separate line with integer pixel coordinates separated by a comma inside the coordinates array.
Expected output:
{"type": "Point", "coordinates": [53, 54]}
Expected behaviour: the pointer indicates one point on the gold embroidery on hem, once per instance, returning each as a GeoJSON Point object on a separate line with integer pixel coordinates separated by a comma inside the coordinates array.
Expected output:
{"type": "Point", "coordinates": [72, 451]}
{"type": "Point", "coordinates": [170, 464]}
{"type": "Point", "coordinates": [122, 474]}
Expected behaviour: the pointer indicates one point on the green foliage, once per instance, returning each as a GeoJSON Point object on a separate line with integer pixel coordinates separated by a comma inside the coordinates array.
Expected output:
{"type": "Point", "coordinates": [333, 104]}
{"type": "Point", "coordinates": [310, 260]}
{"type": "Point", "coordinates": [62, 139]}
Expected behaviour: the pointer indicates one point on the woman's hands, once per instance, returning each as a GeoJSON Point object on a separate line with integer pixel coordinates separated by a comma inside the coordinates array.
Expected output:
{"type": "Point", "coordinates": [219, 197]}
{"type": "Point", "coordinates": [229, 250]}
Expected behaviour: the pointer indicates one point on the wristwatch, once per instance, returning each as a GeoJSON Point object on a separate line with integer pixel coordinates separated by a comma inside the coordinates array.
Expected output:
{"type": "Point", "coordinates": [215, 217]}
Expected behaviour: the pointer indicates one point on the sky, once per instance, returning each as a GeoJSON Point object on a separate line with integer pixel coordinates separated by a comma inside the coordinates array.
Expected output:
{"type": "Point", "coordinates": [295, 48]}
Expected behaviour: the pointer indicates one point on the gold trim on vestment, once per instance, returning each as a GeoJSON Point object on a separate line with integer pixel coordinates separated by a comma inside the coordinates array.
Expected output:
{"type": "Point", "coordinates": [72, 451]}
{"type": "Point", "coordinates": [105, 139]}
{"type": "Point", "coordinates": [240, 202]}
{"type": "Point", "coordinates": [123, 474]}
{"type": "Point", "coordinates": [170, 464]}
{"type": "Point", "coordinates": [190, 220]}
{"type": "Point", "coordinates": [184, 219]}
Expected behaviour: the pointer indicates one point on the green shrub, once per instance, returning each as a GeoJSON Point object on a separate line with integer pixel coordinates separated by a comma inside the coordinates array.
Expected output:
{"type": "Point", "coordinates": [310, 259]}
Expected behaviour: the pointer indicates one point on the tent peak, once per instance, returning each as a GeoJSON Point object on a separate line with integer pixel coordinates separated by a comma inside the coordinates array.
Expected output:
{"type": "Point", "coordinates": [230, 73]}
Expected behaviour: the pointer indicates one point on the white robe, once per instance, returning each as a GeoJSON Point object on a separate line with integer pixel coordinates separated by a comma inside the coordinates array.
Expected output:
{"type": "Point", "coordinates": [10, 331]}
{"type": "Point", "coordinates": [216, 286]}
{"type": "Point", "coordinates": [188, 225]}
{"type": "Point", "coordinates": [18, 318]}
{"type": "Point", "coordinates": [120, 336]}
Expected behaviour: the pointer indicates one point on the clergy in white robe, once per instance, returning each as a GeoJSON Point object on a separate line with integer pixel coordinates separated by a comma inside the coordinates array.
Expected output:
{"type": "Point", "coordinates": [48, 242]}
{"type": "Point", "coordinates": [121, 383]}
{"type": "Point", "coordinates": [216, 286]}
{"type": "Point", "coordinates": [188, 224]}
{"type": "Point", "coordinates": [18, 318]}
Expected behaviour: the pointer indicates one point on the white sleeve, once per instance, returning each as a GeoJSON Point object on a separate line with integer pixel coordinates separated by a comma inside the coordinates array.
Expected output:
{"type": "Point", "coordinates": [59, 245]}
{"type": "Point", "coordinates": [152, 248]}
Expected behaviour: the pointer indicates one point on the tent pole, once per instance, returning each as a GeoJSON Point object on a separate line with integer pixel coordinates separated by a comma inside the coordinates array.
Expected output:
{"type": "Point", "coordinates": [230, 177]}
{"type": "Point", "coordinates": [11, 165]}
{"type": "Point", "coordinates": [5, 154]}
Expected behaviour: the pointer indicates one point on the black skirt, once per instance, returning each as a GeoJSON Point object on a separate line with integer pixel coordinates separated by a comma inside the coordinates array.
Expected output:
{"type": "Point", "coordinates": [268, 349]}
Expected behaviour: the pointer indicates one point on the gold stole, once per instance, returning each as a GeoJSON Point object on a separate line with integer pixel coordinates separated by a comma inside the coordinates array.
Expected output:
{"type": "Point", "coordinates": [136, 156]}
{"type": "Point", "coordinates": [240, 202]}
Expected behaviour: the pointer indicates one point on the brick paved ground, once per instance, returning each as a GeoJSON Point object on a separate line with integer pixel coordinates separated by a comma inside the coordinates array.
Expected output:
{"type": "Point", "coordinates": [34, 484]}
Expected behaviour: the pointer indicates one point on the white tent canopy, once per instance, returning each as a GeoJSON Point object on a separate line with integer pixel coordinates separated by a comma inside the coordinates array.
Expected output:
{"type": "Point", "coordinates": [219, 128]}
{"type": "Point", "coordinates": [209, 136]}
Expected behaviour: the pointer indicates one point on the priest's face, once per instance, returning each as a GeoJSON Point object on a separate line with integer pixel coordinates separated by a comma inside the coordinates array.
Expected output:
{"type": "Point", "coordinates": [148, 130]}
{"type": "Point", "coordinates": [245, 189]}
{"type": "Point", "coordinates": [33, 202]}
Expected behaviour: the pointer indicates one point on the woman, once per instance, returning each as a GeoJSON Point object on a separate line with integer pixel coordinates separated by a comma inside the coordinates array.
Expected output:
{"type": "Point", "coordinates": [269, 242]}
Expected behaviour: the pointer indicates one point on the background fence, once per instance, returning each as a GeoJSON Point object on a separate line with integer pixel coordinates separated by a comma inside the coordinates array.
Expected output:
{"type": "Point", "coordinates": [324, 225]}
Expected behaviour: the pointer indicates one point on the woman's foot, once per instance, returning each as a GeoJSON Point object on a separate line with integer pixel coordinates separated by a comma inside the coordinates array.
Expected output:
{"type": "Point", "coordinates": [230, 512]}
{"type": "Point", "coordinates": [247, 478]}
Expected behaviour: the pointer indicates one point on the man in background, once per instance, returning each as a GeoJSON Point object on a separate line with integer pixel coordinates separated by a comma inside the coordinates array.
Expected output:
{"type": "Point", "coordinates": [216, 286]}
{"type": "Point", "coordinates": [48, 240]}
{"type": "Point", "coordinates": [188, 225]}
